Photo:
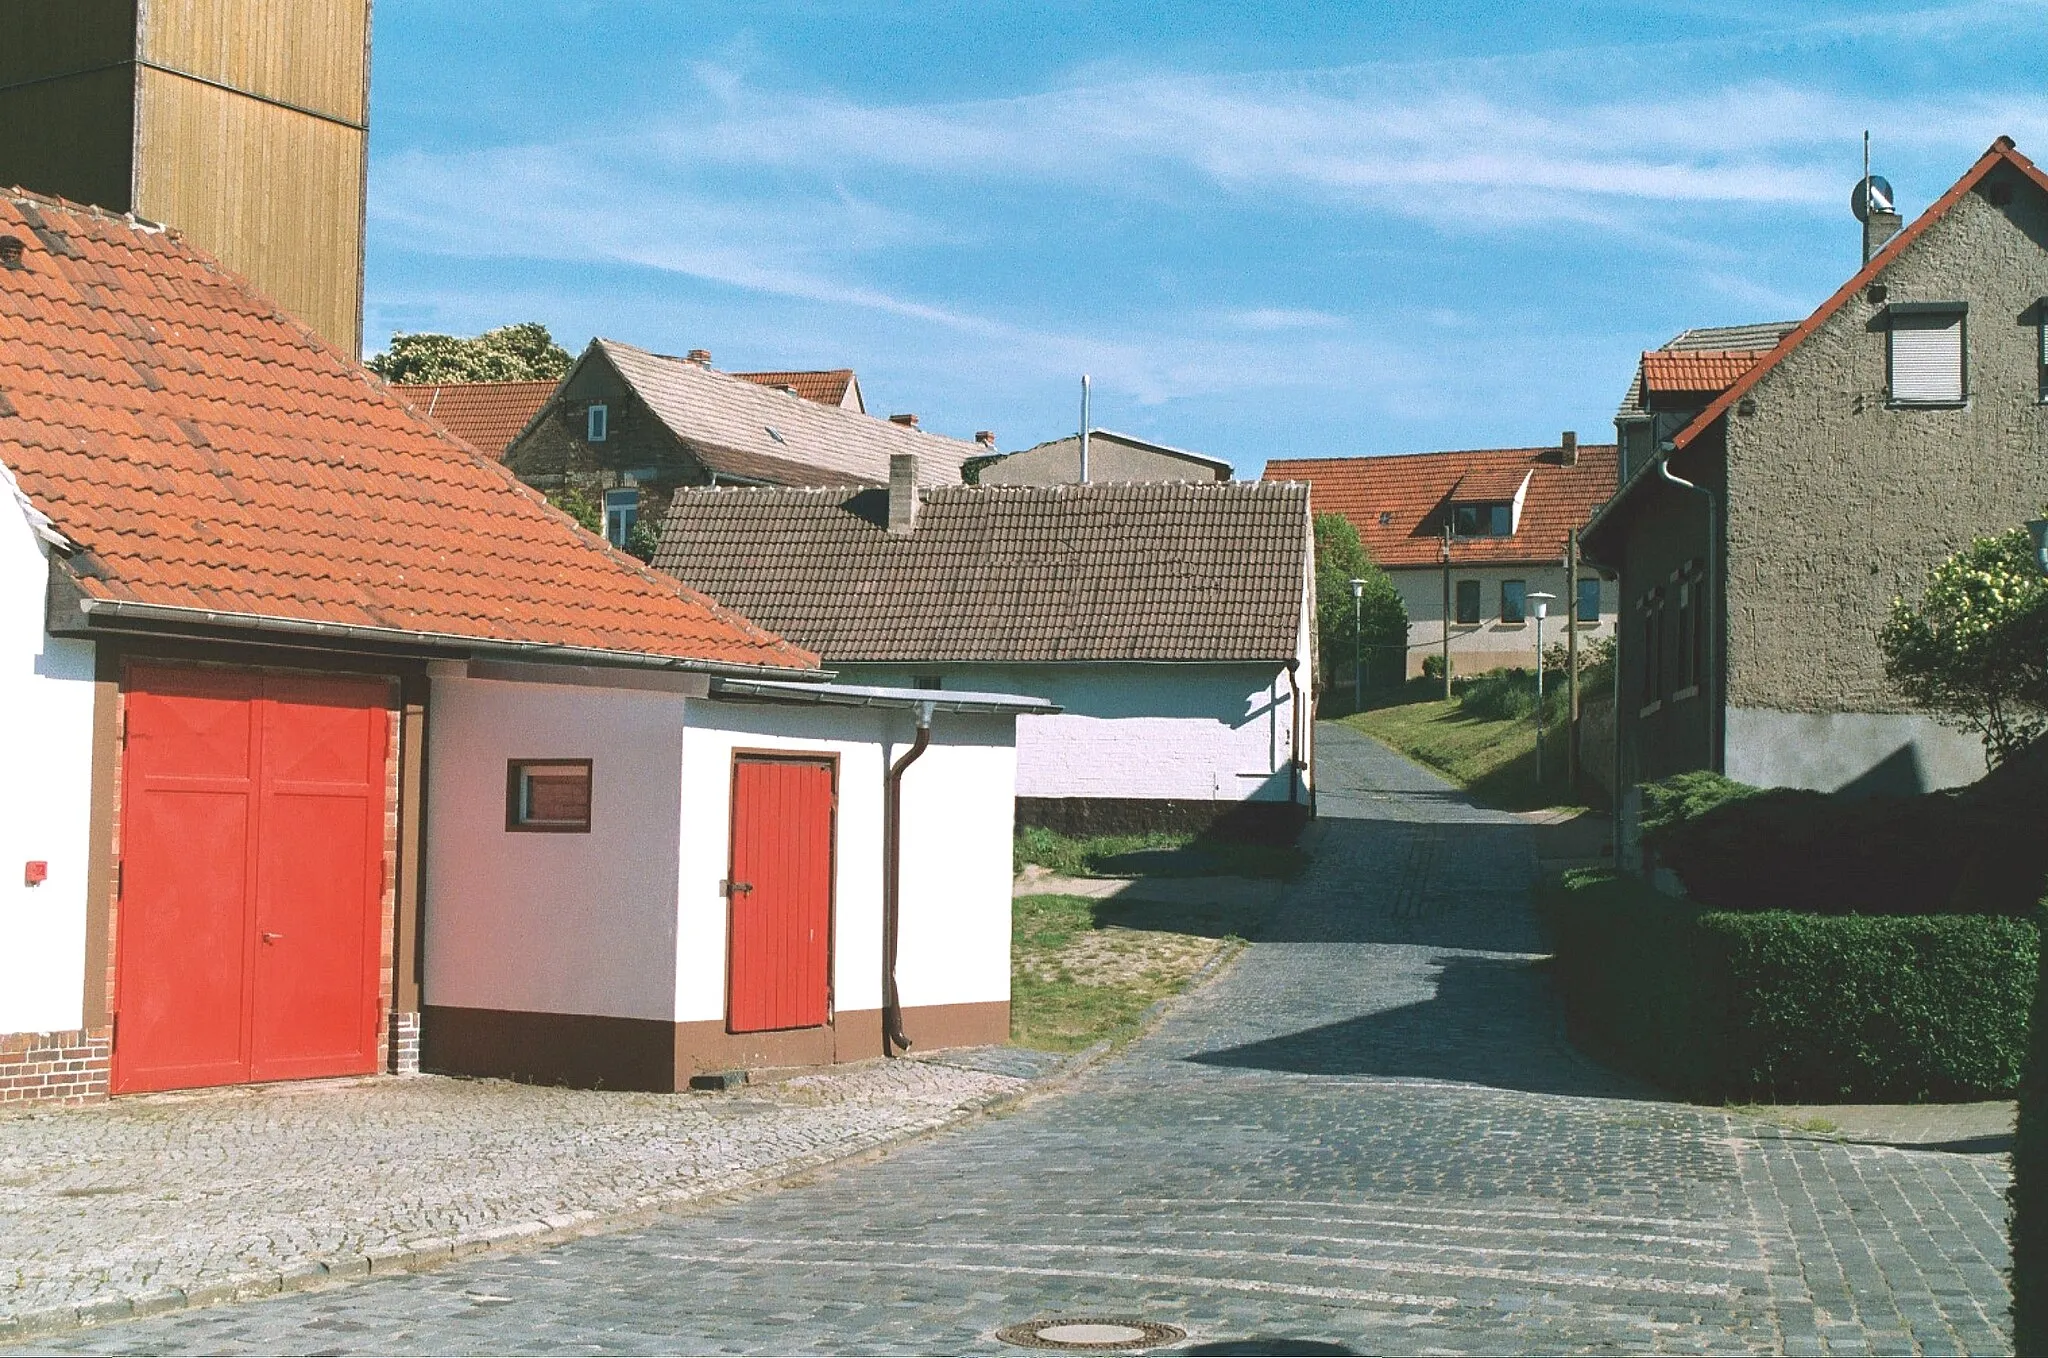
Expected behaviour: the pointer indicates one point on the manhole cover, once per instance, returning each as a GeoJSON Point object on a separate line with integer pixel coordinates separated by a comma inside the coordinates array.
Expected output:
{"type": "Point", "coordinates": [1083, 1333]}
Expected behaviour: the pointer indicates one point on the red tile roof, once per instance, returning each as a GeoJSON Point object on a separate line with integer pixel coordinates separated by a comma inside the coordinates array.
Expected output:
{"type": "Point", "coordinates": [206, 452]}
{"type": "Point", "coordinates": [1413, 493]}
{"type": "Point", "coordinates": [485, 415]}
{"type": "Point", "coordinates": [1489, 484]}
{"type": "Point", "coordinates": [827, 388]}
{"type": "Point", "coordinates": [2001, 152]}
{"type": "Point", "coordinates": [1672, 372]}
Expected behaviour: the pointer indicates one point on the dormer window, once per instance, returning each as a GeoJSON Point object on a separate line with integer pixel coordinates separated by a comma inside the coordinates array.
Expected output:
{"type": "Point", "coordinates": [1483, 520]}
{"type": "Point", "coordinates": [597, 423]}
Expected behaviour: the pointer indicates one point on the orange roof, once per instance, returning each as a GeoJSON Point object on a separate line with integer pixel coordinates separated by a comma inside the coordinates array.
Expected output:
{"type": "Point", "coordinates": [217, 464]}
{"type": "Point", "coordinates": [1400, 504]}
{"type": "Point", "coordinates": [2001, 152]}
{"type": "Point", "coordinates": [1693, 371]}
{"type": "Point", "coordinates": [485, 415]}
{"type": "Point", "coordinates": [827, 388]}
{"type": "Point", "coordinates": [1489, 484]}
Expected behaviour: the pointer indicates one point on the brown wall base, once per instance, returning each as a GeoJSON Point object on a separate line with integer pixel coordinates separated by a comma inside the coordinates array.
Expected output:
{"type": "Point", "coordinates": [588, 1051]}
{"type": "Point", "coordinates": [1254, 822]}
{"type": "Point", "coordinates": [63, 1067]}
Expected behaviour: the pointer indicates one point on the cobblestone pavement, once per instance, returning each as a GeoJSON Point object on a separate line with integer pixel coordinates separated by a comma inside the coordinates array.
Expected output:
{"type": "Point", "coordinates": [155, 1202]}
{"type": "Point", "coordinates": [1368, 1135]}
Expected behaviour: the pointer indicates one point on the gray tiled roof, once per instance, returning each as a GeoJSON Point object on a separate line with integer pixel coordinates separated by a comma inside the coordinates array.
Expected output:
{"type": "Point", "coordinates": [1185, 571]}
{"type": "Point", "coordinates": [1759, 335]}
{"type": "Point", "coordinates": [740, 428]}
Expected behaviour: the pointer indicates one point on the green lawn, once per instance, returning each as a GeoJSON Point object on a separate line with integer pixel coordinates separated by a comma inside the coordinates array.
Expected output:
{"type": "Point", "coordinates": [1084, 971]}
{"type": "Point", "coordinates": [1494, 760]}
{"type": "Point", "coordinates": [1153, 855]}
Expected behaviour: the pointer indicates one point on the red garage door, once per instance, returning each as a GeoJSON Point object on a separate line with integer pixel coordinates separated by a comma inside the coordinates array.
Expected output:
{"type": "Point", "coordinates": [781, 894]}
{"type": "Point", "coordinates": [252, 846]}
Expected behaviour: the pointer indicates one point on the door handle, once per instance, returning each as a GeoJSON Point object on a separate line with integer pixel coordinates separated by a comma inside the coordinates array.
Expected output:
{"type": "Point", "coordinates": [269, 937]}
{"type": "Point", "coordinates": [736, 888]}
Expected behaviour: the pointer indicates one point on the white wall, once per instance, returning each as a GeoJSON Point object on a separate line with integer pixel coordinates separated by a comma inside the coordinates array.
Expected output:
{"type": "Point", "coordinates": [1493, 644]}
{"type": "Point", "coordinates": [46, 691]}
{"type": "Point", "coordinates": [1200, 732]}
{"type": "Point", "coordinates": [958, 804]}
{"type": "Point", "coordinates": [552, 923]}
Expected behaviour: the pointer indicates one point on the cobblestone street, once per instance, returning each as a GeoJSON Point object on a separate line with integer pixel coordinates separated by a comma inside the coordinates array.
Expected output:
{"type": "Point", "coordinates": [1369, 1134]}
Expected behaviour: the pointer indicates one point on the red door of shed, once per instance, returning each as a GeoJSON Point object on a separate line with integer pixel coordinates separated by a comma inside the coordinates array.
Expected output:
{"type": "Point", "coordinates": [252, 849]}
{"type": "Point", "coordinates": [781, 894]}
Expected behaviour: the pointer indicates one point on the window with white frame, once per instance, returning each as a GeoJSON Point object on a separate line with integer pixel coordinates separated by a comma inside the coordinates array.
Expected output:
{"type": "Point", "coordinates": [621, 512]}
{"type": "Point", "coordinates": [1927, 353]}
{"type": "Point", "coordinates": [597, 423]}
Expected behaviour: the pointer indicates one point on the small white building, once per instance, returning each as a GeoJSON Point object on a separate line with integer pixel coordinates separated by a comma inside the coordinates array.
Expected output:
{"type": "Point", "coordinates": [721, 873]}
{"type": "Point", "coordinates": [1172, 623]}
{"type": "Point", "coordinates": [1480, 531]}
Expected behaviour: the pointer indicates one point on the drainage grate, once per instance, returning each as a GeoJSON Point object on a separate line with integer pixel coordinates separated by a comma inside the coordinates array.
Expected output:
{"type": "Point", "coordinates": [1080, 1334]}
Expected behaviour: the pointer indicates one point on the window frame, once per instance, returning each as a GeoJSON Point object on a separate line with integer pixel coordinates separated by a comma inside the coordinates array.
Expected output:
{"type": "Point", "coordinates": [1521, 617]}
{"type": "Point", "coordinates": [597, 422]}
{"type": "Point", "coordinates": [1651, 680]}
{"type": "Point", "coordinates": [518, 774]}
{"type": "Point", "coordinates": [1959, 310]}
{"type": "Point", "coordinates": [1478, 593]}
{"type": "Point", "coordinates": [630, 514]}
{"type": "Point", "coordinates": [1579, 618]}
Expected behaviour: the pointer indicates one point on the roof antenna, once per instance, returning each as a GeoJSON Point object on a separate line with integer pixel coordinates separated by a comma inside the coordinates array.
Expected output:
{"type": "Point", "coordinates": [1872, 197]}
{"type": "Point", "coordinates": [1084, 429]}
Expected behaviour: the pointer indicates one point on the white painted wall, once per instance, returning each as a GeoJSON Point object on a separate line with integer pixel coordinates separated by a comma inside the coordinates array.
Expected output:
{"type": "Point", "coordinates": [1492, 644]}
{"type": "Point", "coordinates": [46, 691]}
{"type": "Point", "coordinates": [552, 923]}
{"type": "Point", "coordinates": [958, 804]}
{"type": "Point", "coordinates": [1200, 732]}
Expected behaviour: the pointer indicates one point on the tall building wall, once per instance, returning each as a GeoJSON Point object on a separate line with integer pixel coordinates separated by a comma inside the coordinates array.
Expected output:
{"type": "Point", "coordinates": [243, 123]}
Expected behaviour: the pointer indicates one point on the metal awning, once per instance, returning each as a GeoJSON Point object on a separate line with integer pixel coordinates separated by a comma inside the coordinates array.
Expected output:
{"type": "Point", "coordinates": [860, 695]}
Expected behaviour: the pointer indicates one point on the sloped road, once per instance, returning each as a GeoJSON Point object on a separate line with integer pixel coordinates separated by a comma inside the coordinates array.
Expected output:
{"type": "Point", "coordinates": [1368, 1136]}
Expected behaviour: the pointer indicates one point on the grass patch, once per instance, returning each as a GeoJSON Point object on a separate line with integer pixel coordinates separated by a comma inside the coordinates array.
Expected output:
{"type": "Point", "coordinates": [1493, 758]}
{"type": "Point", "coordinates": [1159, 854]}
{"type": "Point", "coordinates": [1767, 1112]}
{"type": "Point", "coordinates": [1084, 971]}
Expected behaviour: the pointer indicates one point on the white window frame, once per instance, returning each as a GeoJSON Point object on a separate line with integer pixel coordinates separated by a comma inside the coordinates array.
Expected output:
{"type": "Point", "coordinates": [597, 423]}
{"type": "Point", "coordinates": [621, 514]}
{"type": "Point", "coordinates": [1936, 321]}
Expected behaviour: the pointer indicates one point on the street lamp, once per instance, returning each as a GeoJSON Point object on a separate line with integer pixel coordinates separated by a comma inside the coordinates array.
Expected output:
{"type": "Point", "coordinates": [1542, 606]}
{"type": "Point", "coordinates": [1357, 644]}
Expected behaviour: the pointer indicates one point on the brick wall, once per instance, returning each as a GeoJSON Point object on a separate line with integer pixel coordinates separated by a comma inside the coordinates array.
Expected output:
{"type": "Point", "coordinates": [64, 1067]}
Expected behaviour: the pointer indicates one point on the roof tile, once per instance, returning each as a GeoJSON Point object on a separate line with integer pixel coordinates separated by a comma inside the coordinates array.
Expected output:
{"type": "Point", "coordinates": [485, 415]}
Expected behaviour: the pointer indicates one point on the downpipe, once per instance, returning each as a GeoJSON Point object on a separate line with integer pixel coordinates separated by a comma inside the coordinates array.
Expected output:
{"type": "Point", "coordinates": [894, 1043]}
{"type": "Point", "coordinates": [1710, 610]}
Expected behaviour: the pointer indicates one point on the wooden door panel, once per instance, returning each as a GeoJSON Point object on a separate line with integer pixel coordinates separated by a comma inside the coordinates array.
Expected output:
{"type": "Point", "coordinates": [781, 901]}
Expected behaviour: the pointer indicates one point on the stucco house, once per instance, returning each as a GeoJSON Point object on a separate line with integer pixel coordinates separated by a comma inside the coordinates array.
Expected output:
{"type": "Point", "coordinates": [1111, 457]}
{"type": "Point", "coordinates": [295, 679]}
{"type": "Point", "coordinates": [1778, 498]}
{"type": "Point", "coordinates": [628, 427]}
{"type": "Point", "coordinates": [1171, 622]}
{"type": "Point", "coordinates": [1480, 530]}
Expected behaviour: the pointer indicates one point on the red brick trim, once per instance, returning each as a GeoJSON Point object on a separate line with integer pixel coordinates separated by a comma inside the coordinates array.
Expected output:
{"type": "Point", "coordinates": [62, 1067]}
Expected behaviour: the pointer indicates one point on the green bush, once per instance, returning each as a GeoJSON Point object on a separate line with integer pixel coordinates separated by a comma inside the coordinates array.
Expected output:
{"type": "Point", "coordinates": [1686, 797]}
{"type": "Point", "coordinates": [2029, 1191]}
{"type": "Point", "coordinates": [1793, 1007]}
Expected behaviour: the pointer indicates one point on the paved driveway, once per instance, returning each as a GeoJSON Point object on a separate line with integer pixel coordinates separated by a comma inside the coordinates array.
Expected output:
{"type": "Point", "coordinates": [1368, 1136]}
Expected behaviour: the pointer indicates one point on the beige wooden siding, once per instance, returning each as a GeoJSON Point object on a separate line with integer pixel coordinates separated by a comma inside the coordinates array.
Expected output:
{"type": "Point", "coordinates": [310, 53]}
{"type": "Point", "coordinates": [278, 196]}
{"type": "Point", "coordinates": [58, 37]}
{"type": "Point", "coordinates": [71, 138]}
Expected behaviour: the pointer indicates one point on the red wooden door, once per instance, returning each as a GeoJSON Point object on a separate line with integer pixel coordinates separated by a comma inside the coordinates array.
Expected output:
{"type": "Point", "coordinates": [781, 894]}
{"type": "Point", "coordinates": [252, 835]}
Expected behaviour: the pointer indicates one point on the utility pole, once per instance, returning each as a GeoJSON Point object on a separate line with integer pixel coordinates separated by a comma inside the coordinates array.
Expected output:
{"type": "Point", "coordinates": [1571, 661]}
{"type": "Point", "coordinates": [1447, 612]}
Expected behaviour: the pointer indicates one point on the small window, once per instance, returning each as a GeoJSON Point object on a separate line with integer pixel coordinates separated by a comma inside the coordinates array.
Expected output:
{"type": "Point", "coordinates": [1468, 602]}
{"type": "Point", "coordinates": [597, 423]}
{"type": "Point", "coordinates": [1483, 521]}
{"type": "Point", "coordinates": [1926, 356]}
{"type": "Point", "coordinates": [548, 795]}
{"type": "Point", "coordinates": [1589, 602]}
{"type": "Point", "coordinates": [1500, 520]}
{"type": "Point", "coordinates": [1653, 649]}
{"type": "Point", "coordinates": [1688, 634]}
{"type": "Point", "coordinates": [1387, 515]}
{"type": "Point", "coordinates": [927, 681]}
{"type": "Point", "coordinates": [1514, 601]}
{"type": "Point", "coordinates": [621, 512]}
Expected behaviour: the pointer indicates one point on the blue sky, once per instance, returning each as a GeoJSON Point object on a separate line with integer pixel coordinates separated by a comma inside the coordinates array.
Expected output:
{"type": "Point", "coordinates": [1266, 230]}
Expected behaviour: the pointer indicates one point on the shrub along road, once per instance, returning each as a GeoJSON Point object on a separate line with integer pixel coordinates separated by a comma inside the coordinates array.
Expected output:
{"type": "Point", "coordinates": [1367, 1134]}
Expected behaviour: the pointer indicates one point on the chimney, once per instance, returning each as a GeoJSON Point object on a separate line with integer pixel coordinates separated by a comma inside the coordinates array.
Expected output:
{"type": "Point", "coordinates": [1878, 227]}
{"type": "Point", "coordinates": [907, 421]}
{"type": "Point", "coordinates": [986, 438]}
{"type": "Point", "coordinates": [1568, 449]}
{"type": "Point", "coordinates": [902, 494]}
{"type": "Point", "coordinates": [700, 357]}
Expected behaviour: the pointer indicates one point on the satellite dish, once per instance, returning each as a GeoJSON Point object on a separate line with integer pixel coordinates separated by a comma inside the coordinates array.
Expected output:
{"type": "Point", "coordinates": [1873, 193]}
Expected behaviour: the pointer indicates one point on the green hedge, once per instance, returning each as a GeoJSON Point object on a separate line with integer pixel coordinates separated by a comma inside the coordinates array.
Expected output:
{"type": "Point", "coordinates": [1781, 1006]}
{"type": "Point", "coordinates": [2030, 1190]}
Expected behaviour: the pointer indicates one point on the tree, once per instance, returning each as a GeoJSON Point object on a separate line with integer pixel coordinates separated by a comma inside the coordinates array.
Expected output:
{"type": "Point", "coordinates": [511, 353]}
{"type": "Point", "coordinates": [1379, 614]}
{"type": "Point", "coordinates": [1974, 651]}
